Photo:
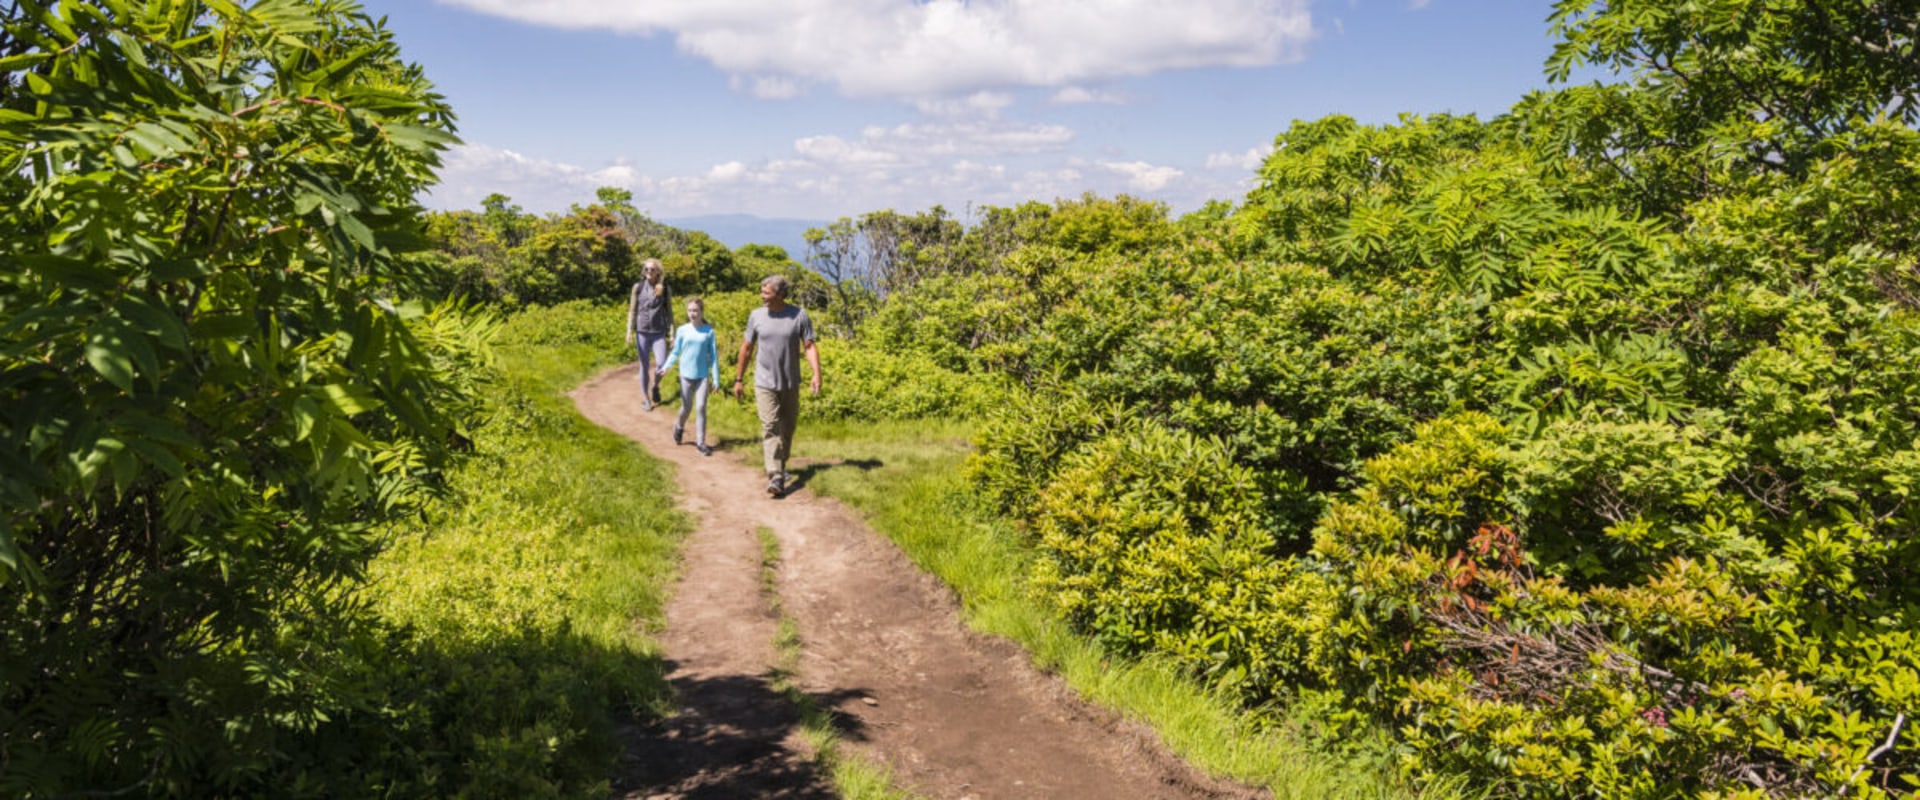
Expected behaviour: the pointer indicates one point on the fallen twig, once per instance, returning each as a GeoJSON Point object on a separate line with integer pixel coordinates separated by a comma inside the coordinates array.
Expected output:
{"type": "Point", "coordinates": [1899, 720]}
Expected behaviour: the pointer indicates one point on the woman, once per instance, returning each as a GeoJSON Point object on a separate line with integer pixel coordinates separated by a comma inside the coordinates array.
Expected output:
{"type": "Point", "coordinates": [699, 362]}
{"type": "Point", "coordinates": [650, 325]}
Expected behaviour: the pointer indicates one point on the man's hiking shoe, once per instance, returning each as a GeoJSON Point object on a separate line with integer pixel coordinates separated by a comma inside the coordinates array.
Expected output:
{"type": "Point", "coordinates": [776, 485]}
{"type": "Point", "coordinates": [704, 449]}
{"type": "Point", "coordinates": [679, 435]}
{"type": "Point", "coordinates": [645, 404]}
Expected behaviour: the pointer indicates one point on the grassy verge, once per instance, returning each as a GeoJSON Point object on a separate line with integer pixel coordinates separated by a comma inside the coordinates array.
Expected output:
{"type": "Point", "coordinates": [853, 777]}
{"type": "Point", "coordinates": [905, 478]}
{"type": "Point", "coordinates": [530, 591]}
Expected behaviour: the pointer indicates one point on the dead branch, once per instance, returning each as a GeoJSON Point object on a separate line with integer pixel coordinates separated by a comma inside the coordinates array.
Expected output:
{"type": "Point", "coordinates": [1899, 720]}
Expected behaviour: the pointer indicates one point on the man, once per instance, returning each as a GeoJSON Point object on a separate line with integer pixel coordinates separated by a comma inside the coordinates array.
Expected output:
{"type": "Point", "coordinates": [781, 332]}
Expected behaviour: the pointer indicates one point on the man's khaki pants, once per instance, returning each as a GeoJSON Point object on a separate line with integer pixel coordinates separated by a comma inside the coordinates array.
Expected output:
{"type": "Point", "coordinates": [779, 410]}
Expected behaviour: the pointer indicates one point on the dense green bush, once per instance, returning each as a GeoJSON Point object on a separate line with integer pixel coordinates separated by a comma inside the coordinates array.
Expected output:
{"type": "Point", "coordinates": [579, 256]}
{"type": "Point", "coordinates": [1200, 574]}
{"type": "Point", "coordinates": [1299, 375]}
{"type": "Point", "coordinates": [1608, 481]}
{"type": "Point", "coordinates": [215, 419]}
{"type": "Point", "coordinates": [872, 385]}
{"type": "Point", "coordinates": [217, 386]}
{"type": "Point", "coordinates": [595, 327]}
{"type": "Point", "coordinates": [976, 322]}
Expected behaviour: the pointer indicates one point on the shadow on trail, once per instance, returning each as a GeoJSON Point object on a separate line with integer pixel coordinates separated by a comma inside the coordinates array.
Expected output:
{"type": "Point", "coordinates": [800, 475]}
{"type": "Point", "coordinates": [728, 740]}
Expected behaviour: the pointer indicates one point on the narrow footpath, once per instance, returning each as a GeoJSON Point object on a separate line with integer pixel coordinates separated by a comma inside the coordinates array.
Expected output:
{"type": "Point", "coordinates": [954, 714]}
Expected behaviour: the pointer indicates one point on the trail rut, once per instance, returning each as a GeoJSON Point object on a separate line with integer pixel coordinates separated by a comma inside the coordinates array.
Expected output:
{"type": "Point", "coordinates": [953, 713]}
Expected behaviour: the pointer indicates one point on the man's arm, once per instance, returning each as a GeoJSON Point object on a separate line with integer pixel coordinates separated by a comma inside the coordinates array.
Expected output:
{"type": "Point", "coordinates": [740, 369]}
{"type": "Point", "coordinates": [813, 360]}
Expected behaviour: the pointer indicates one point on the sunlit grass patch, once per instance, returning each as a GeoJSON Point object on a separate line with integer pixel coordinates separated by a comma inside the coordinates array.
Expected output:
{"type": "Point", "coordinates": [533, 587]}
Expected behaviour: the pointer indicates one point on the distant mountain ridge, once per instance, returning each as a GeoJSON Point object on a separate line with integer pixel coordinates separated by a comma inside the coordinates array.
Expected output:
{"type": "Point", "coordinates": [734, 230]}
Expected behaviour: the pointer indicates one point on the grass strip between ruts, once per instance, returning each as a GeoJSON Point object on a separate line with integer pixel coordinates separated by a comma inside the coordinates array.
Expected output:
{"type": "Point", "coordinates": [854, 777]}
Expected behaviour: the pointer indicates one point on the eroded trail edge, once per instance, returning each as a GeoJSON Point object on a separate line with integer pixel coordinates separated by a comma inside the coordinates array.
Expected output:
{"type": "Point", "coordinates": [953, 713]}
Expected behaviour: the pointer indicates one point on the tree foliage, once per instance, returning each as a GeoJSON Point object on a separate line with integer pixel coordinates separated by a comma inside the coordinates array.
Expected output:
{"type": "Point", "coordinates": [1719, 89]}
{"type": "Point", "coordinates": [1578, 444]}
{"type": "Point", "coordinates": [504, 256]}
{"type": "Point", "coordinates": [216, 388]}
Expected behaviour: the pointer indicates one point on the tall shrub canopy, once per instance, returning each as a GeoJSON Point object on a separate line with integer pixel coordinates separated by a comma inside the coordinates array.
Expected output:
{"type": "Point", "coordinates": [214, 385]}
{"type": "Point", "coordinates": [1577, 445]}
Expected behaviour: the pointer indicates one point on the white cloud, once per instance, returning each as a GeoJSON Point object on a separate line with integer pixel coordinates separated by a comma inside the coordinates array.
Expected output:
{"type": "Point", "coordinates": [918, 142]}
{"type": "Point", "coordinates": [1073, 95]}
{"type": "Point", "coordinates": [932, 48]}
{"type": "Point", "coordinates": [840, 152]}
{"type": "Point", "coordinates": [1143, 177]}
{"type": "Point", "coordinates": [830, 176]}
{"type": "Point", "coordinates": [768, 87]}
{"type": "Point", "coordinates": [621, 175]}
{"type": "Point", "coordinates": [470, 172]}
{"type": "Point", "coordinates": [969, 138]}
{"type": "Point", "coordinates": [1046, 184]}
{"type": "Point", "coordinates": [1249, 160]}
{"type": "Point", "coordinates": [729, 172]}
{"type": "Point", "coordinates": [985, 105]}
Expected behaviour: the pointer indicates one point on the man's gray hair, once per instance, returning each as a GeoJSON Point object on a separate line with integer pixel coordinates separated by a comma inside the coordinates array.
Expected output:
{"type": "Point", "coordinates": [781, 286]}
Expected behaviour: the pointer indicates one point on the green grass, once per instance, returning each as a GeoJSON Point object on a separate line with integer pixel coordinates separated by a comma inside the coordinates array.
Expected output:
{"type": "Point", "coordinates": [555, 521]}
{"type": "Point", "coordinates": [905, 478]}
{"type": "Point", "coordinates": [853, 777]}
{"type": "Point", "coordinates": [531, 590]}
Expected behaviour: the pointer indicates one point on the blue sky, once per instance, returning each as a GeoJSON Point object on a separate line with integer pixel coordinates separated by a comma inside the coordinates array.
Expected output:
{"type": "Point", "coordinates": [818, 109]}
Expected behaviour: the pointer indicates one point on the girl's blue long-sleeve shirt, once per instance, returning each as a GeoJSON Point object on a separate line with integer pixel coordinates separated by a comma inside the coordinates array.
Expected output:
{"type": "Point", "coordinates": [695, 352]}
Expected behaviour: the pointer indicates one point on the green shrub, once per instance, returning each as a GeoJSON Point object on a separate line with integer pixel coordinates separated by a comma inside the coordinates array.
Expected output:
{"type": "Point", "coordinates": [218, 385]}
{"type": "Point", "coordinates": [1300, 376]}
{"type": "Point", "coordinates": [866, 384]}
{"type": "Point", "coordinates": [1691, 638]}
{"type": "Point", "coordinates": [1666, 551]}
{"type": "Point", "coordinates": [1156, 541]}
{"type": "Point", "coordinates": [974, 323]}
{"type": "Point", "coordinates": [593, 327]}
{"type": "Point", "coordinates": [1020, 446]}
{"type": "Point", "coordinates": [1143, 527]}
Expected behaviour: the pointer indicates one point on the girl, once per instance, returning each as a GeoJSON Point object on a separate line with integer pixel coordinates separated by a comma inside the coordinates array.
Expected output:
{"type": "Point", "coordinates": [699, 362]}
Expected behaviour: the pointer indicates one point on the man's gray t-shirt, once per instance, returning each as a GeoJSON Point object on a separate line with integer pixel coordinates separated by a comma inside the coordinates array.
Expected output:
{"type": "Point", "coordinates": [778, 335]}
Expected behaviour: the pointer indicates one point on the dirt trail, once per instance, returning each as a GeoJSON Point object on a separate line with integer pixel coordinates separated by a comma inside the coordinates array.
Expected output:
{"type": "Point", "coordinates": [953, 713]}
